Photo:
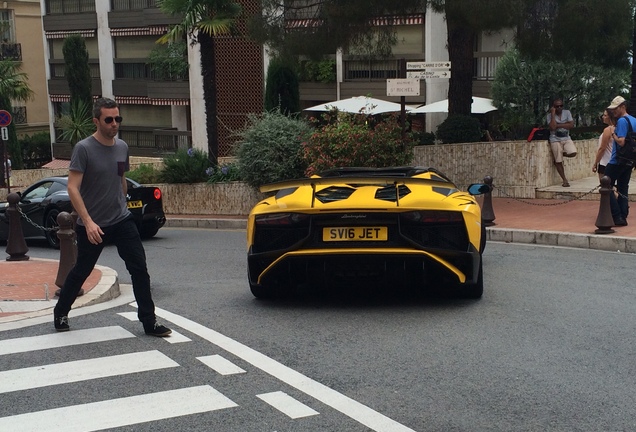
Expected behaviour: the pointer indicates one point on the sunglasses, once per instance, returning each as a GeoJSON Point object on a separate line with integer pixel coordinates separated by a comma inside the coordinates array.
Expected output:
{"type": "Point", "coordinates": [109, 120]}
{"type": "Point", "coordinates": [558, 106]}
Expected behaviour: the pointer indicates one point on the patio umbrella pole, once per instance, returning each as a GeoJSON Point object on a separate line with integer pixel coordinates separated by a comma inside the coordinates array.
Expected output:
{"type": "Point", "coordinates": [403, 99]}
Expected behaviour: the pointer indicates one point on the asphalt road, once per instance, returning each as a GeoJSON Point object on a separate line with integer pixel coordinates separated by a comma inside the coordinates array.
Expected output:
{"type": "Point", "coordinates": [550, 347]}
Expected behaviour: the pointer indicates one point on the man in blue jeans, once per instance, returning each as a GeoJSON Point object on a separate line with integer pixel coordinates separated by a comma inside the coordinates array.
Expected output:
{"type": "Point", "coordinates": [97, 188]}
{"type": "Point", "coordinates": [620, 171]}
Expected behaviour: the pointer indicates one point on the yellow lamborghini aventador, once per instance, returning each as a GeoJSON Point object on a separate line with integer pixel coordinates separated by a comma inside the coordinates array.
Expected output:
{"type": "Point", "coordinates": [376, 224]}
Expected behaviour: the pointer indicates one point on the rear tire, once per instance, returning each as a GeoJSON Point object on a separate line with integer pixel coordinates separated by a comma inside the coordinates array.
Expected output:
{"type": "Point", "coordinates": [474, 290]}
{"type": "Point", "coordinates": [148, 231]}
{"type": "Point", "coordinates": [262, 292]}
{"type": "Point", "coordinates": [50, 221]}
{"type": "Point", "coordinates": [482, 242]}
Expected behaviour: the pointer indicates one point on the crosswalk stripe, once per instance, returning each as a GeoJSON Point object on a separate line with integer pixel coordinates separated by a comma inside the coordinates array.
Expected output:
{"type": "Point", "coordinates": [221, 365]}
{"type": "Point", "coordinates": [120, 412]}
{"type": "Point", "coordinates": [82, 370]}
{"type": "Point", "coordinates": [175, 336]}
{"type": "Point", "coordinates": [58, 340]}
{"type": "Point", "coordinates": [287, 404]}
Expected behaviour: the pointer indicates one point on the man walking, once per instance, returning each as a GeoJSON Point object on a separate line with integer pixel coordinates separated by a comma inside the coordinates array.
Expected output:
{"type": "Point", "coordinates": [97, 188]}
{"type": "Point", "coordinates": [620, 171]}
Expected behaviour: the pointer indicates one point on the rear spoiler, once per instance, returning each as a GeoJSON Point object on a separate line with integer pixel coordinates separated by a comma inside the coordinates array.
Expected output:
{"type": "Point", "coordinates": [367, 180]}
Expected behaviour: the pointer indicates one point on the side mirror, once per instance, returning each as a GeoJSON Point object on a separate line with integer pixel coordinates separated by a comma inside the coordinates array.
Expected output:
{"type": "Point", "coordinates": [478, 189]}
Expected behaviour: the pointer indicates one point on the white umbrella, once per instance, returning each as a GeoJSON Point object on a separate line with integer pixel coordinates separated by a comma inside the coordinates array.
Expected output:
{"type": "Point", "coordinates": [359, 105]}
{"type": "Point", "coordinates": [479, 106]}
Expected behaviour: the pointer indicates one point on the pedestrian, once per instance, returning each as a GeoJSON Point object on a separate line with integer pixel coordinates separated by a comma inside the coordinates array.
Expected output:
{"type": "Point", "coordinates": [7, 170]}
{"type": "Point", "coordinates": [620, 171]}
{"type": "Point", "coordinates": [97, 189]}
{"type": "Point", "coordinates": [605, 145]}
{"type": "Point", "coordinates": [560, 122]}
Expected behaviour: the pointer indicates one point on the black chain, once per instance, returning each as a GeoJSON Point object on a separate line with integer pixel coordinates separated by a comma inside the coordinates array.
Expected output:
{"type": "Point", "coordinates": [567, 201]}
{"type": "Point", "coordinates": [26, 218]}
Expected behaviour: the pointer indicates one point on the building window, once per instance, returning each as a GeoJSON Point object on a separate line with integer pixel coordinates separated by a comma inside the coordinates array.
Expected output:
{"type": "Point", "coordinates": [7, 26]}
{"type": "Point", "coordinates": [134, 4]}
{"type": "Point", "coordinates": [69, 6]}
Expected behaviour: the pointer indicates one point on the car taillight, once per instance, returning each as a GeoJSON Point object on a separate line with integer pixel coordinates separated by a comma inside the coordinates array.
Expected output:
{"type": "Point", "coordinates": [157, 193]}
{"type": "Point", "coordinates": [433, 216]}
{"type": "Point", "coordinates": [281, 219]}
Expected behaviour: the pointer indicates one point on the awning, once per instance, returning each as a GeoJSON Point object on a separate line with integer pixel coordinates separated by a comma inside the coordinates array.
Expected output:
{"type": "Point", "coordinates": [415, 19]}
{"type": "Point", "coordinates": [140, 100]}
{"type": "Point", "coordinates": [139, 31]}
{"type": "Point", "coordinates": [60, 98]}
{"type": "Point", "coordinates": [61, 34]}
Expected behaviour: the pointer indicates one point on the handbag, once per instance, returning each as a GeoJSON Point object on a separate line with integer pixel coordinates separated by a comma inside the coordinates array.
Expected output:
{"type": "Point", "coordinates": [626, 154]}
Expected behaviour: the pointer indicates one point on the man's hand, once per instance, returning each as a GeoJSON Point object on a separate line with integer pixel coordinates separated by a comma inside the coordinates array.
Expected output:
{"type": "Point", "coordinates": [93, 232]}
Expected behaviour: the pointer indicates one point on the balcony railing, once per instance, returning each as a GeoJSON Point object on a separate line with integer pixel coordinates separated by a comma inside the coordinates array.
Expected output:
{"type": "Point", "coordinates": [144, 71]}
{"type": "Point", "coordinates": [58, 70]}
{"type": "Point", "coordinates": [19, 115]}
{"type": "Point", "coordinates": [69, 6]}
{"type": "Point", "coordinates": [118, 5]}
{"type": "Point", "coordinates": [146, 141]}
{"type": "Point", "coordinates": [10, 51]}
{"type": "Point", "coordinates": [485, 65]}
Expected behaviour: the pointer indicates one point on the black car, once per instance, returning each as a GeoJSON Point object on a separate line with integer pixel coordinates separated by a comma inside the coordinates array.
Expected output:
{"type": "Point", "coordinates": [44, 200]}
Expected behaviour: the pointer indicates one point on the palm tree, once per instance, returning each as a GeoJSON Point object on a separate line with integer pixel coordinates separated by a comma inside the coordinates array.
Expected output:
{"type": "Point", "coordinates": [201, 21]}
{"type": "Point", "coordinates": [13, 87]}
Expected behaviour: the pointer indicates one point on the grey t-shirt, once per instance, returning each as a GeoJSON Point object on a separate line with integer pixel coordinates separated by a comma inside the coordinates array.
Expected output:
{"type": "Point", "coordinates": [560, 134]}
{"type": "Point", "coordinates": [101, 189]}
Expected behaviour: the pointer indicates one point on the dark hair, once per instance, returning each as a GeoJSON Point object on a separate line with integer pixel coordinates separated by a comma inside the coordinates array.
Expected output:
{"type": "Point", "coordinates": [102, 103]}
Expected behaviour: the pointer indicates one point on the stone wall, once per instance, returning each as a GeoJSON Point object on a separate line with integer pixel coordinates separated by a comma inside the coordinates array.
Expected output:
{"type": "Point", "coordinates": [517, 167]}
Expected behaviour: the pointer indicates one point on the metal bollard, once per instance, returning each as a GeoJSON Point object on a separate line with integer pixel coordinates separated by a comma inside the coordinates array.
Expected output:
{"type": "Point", "coordinates": [604, 221]}
{"type": "Point", "coordinates": [68, 249]}
{"type": "Point", "coordinates": [487, 213]}
{"type": "Point", "coordinates": [16, 245]}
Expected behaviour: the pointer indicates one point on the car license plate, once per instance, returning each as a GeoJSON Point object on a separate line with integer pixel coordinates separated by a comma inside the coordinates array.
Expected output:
{"type": "Point", "coordinates": [135, 204]}
{"type": "Point", "coordinates": [363, 233]}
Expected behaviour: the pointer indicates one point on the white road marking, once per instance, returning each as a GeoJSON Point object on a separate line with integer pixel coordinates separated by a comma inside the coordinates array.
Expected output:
{"type": "Point", "coordinates": [349, 407]}
{"type": "Point", "coordinates": [82, 370]}
{"type": "Point", "coordinates": [175, 336]}
{"type": "Point", "coordinates": [287, 405]}
{"type": "Point", "coordinates": [58, 340]}
{"type": "Point", "coordinates": [220, 365]}
{"type": "Point", "coordinates": [120, 412]}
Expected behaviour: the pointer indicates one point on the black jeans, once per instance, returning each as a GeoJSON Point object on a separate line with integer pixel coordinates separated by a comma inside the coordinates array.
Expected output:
{"type": "Point", "coordinates": [620, 175]}
{"type": "Point", "coordinates": [125, 236]}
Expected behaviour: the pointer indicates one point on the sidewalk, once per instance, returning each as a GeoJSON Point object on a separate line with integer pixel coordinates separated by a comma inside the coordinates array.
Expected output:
{"type": "Point", "coordinates": [27, 288]}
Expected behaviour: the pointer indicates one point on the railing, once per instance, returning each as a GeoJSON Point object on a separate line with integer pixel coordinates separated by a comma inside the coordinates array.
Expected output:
{"type": "Point", "coordinates": [69, 6]}
{"type": "Point", "coordinates": [11, 51]}
{"type": "Point", "coordinates": [19, 115]}
{"type": "Point", "coordinates": [144, 71]}
{"type": "Point", "coordinates": [147, 141]}
{"type": "Point", "coordinates": [118, 5]}
{"type": "Point", "coordinates": [485, 65]}
{"type": "Point", "coordinates": [57, 70]}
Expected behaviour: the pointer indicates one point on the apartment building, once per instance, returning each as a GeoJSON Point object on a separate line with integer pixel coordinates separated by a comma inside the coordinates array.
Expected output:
{"type": "Point", "coordinates": [161, 113]}
{"type": "Point", "coordinates": [21, 41]}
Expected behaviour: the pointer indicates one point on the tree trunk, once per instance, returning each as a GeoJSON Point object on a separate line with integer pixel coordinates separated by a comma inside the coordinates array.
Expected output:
{"type": "Point", "coordinates": [461, 42]}
{"type": "Point", "coordinates": [208, 70]}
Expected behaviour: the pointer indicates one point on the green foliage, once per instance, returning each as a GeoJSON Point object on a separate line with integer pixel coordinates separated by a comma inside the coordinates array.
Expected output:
{"type": "Point", "coordinates": [170, 61]}
{"type": "Point", "coordinates": [351, 141]}
{"type": "Point", "coordinates": [424, 138]}
{"type": "Point", "coordinates": [523, 89]}
{"type": "Point", "coordinates": [185, 166]}
{"type": "Point", "coordinates": [78, 124]}
{"type": "Point", "coordinates": [224, 173]}
{"type": "Point", "coordinates": [459, 129]}
{"type": "Point", "coordinates": [145, 174]}
{"type": "Point", "coordinates": [323, 71]}
{"type": "Point", "coordinates": [269, 148]}
{"type": "Point", "coordinates": [36, 149]}
{"type": "Point", "coordinates": [281, 90]}
{"type": "Point", "coordinates": [77, 70]}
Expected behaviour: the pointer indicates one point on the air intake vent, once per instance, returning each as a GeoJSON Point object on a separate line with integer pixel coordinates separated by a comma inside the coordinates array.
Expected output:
{"type": "Point", "coordinates": [334, 193]}
{"type": "Point", "coordinates": [388, 193]}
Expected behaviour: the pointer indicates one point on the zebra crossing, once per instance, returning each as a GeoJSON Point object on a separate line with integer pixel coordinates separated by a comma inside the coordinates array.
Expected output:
{"type": "Point", "coordinates": [172, 403]}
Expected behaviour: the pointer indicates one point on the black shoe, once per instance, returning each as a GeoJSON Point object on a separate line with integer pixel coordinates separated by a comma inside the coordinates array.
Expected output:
{"type": "Point", "coordinates": [156, 329]}
{"type": "Point", "coordinates": [620, 222]}
{"type": "Point", "coordinates": [61, 323]}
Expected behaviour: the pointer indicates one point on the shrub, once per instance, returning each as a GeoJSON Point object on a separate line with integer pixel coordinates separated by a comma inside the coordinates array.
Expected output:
{"type": "Point", "coordinates": [351, 141]}
{"type": "Point", "coordinates": [282, 89]}
{"type": "Point", "coordinates": [185, 166]}
{"type": "Point", "coordinates": [223, 173]}
{"type": "Point", "coordinates": [269, 148]}
{"type": "Point", "coordinates": [36, 149]}
{"type": "Point", "coordinates": [145, 174]}
{"type": "Point", "coordinates": [424, 138]}
{"type": "Point", "coordinates": [459, 129]}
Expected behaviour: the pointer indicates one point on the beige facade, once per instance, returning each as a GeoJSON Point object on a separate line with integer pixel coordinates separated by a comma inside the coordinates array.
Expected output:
{"type": "Point", "coordinates": [26, 16]}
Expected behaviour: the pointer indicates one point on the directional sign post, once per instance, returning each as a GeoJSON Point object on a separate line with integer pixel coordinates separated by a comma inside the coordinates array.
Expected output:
{"type": "Point", "coordinates": [428, 65]}
{"type": "Point", "coordinates": [425, 70]}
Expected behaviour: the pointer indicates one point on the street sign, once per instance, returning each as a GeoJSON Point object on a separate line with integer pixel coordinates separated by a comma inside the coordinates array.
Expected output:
{"type": "Point", "coordinates": [5, 133]}
{"type": "Point", "coordinates": [402, 87]}
{"type": "Point", "coordinates": [428, 74]}
{"type": "Point", "coordinates": [5, 118]}
{"type": "Point", "coordinates": [428, 65]}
